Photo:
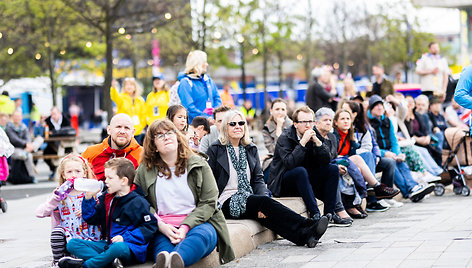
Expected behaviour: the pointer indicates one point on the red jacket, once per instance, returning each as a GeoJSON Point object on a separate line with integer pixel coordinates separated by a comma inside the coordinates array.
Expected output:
{"type": "Point", "coordinates": [97, 155]}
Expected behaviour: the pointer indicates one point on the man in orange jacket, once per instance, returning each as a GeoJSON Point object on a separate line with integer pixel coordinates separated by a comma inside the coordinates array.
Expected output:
{"type": "Point", "coordinates": [119, 143]}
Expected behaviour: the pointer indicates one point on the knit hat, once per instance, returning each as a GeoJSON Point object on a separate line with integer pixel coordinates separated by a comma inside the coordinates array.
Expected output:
{"type": "Point", "coordinates": [374, 100]}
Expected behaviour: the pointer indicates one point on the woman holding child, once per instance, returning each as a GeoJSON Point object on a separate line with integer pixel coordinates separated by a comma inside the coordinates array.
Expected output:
{"type": "Point", "coordinates": [243, 194]}
{"type": "Point", "coordinates": [182, 192]}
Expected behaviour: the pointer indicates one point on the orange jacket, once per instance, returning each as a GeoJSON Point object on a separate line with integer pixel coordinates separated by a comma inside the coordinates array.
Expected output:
{"type": "Point", "coordinates": [97, 155]}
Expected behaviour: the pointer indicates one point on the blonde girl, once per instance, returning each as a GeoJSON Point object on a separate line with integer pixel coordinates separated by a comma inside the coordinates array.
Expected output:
{"type": "Point", "coordinates": [66, 214]}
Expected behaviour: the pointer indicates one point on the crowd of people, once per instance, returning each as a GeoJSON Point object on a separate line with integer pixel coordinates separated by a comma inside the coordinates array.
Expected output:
{"type": "Point", "coordinates": [177, 165]}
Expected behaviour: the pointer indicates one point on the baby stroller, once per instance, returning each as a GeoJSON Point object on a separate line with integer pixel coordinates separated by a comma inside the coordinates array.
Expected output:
{"type": "Point", "coordinates": [456, 158]}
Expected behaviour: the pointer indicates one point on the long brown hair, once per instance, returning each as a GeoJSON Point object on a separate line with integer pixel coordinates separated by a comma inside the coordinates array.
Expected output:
{"type": "Point", "coordinates": [152, 158]}
{"type": "Point", "coordinates": [271, 118]}
{"type": "Point", "coordinates": [350, 132]}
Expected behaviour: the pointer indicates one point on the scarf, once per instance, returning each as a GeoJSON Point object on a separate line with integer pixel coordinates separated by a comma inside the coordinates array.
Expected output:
{"type": "Point", "coordinates": [237, 203]}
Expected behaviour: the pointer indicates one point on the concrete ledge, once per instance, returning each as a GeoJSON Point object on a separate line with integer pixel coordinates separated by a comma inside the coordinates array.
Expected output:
{"type": "Point", "coordinates": [246, 235]}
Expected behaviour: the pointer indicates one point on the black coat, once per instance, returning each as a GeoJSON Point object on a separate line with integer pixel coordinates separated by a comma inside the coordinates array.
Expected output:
{"type": "Point", "coordinates": [65, 123]}
{"type": "Point", "coordinates": [317, 97]}
{"type": "Point", "coordinates": [289, 154]}
{"type": "Point", "coordinates": [219, 164]}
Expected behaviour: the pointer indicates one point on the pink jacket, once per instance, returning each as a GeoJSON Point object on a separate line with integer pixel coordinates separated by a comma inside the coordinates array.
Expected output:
{"type": "Point", "coordinates": [48, 209]}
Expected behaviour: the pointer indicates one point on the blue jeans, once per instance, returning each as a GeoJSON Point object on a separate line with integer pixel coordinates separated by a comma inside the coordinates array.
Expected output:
{"type": "Point", "coordinates": [199, 242]}
{"type": "Point", "coordinates": [295, 182]}
{"type": "Point", "coordinates": [403, 179]}
{"type": "Point", "coordinates": [386, 166]}
{"type": "Point", "coordinates": [429, 164]}
{"type": "Point", "coordinates": [96, 253]}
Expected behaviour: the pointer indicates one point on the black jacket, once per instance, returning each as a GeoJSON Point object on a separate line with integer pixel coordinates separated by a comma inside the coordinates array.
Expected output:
{"type": "Point", "coordinates": [317, 97]}
{"type": "Point", "coordinates": [289, 154]}
{"type": "Point", "coordinates": [65, 123]}
{"type": "Point", "coordinates": [219, 164]}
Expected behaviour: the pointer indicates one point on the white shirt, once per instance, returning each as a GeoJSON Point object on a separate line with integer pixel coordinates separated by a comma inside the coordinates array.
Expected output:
{"type": "Point", "coordinates": [57, 125]}
{"type": "Point", "coordinates": [232, 185]}
{"type": "Point", "coordinates": [432, 82]}
{"type": "Point", "coordinates": [173, 195]}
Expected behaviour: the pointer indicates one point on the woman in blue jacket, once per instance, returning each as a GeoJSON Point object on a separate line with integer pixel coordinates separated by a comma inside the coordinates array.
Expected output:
{"type": "Point", "coordinates": [197, 91]}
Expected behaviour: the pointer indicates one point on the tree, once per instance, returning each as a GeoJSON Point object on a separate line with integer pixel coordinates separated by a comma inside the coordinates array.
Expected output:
{"type": "Point", "coordinates": [108, 16]}
{"type": "Point", "coordinates": [39, 31]}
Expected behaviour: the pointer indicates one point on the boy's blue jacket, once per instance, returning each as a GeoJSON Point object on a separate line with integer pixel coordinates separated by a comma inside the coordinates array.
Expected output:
{"type": "Point", "coordinates": [127, 216]}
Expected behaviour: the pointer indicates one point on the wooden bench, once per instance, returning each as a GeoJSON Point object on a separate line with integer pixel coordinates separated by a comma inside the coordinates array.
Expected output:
{"type": "Point", "coordinates": [67, 142]}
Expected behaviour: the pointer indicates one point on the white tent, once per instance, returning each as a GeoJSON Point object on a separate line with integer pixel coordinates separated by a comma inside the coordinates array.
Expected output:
{"type": "Point", "coordinates": [38, 87]}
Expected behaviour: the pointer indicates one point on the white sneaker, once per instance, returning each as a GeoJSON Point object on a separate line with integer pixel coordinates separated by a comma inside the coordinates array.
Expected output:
{"type": "Point", "coordinates": [384, 203]}
{"type": "Point", "coordinates": [428, 178]}
{"type": "Point", "coordinates": [393, 203]}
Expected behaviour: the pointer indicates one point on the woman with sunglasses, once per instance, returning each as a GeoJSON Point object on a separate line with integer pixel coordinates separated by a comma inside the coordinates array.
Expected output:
{"type": "Point", "coordinates": [183, 195]}
{"type": "Point", "coordinates": [130, 102]}
{"type": "Point", "coordinates": [243, 194]}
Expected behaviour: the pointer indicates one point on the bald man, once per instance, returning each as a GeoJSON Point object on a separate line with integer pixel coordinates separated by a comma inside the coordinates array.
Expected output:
{"type": "Point", "coordinates": [119, 143]}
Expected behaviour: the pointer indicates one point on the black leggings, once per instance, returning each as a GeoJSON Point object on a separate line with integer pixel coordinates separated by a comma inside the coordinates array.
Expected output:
{"type": "Point", "coordinates": [279, 218]}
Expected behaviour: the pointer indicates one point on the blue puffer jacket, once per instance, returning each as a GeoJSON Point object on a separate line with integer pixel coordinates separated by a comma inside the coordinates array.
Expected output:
{"type": "Point", "coordinates": [127, 216]}
{"type": "Point", "coordinates": [194, 93]}
{"type": "Point", "coordinates": [463, 93]}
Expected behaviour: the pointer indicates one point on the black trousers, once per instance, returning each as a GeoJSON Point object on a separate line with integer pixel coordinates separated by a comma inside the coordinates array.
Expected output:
{"type": "Point", "coordinates": [280, 219]}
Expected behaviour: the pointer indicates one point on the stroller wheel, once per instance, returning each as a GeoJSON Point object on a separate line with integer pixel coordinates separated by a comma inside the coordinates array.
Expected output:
{"type": "Point", "coordinates": [465, 191]}
{"type": "Point", "coordinates": [439, 189]}
{"type": "Point", "coordinates": [457, 190]}
{"type": "Point", "coordinates": [3, 205]}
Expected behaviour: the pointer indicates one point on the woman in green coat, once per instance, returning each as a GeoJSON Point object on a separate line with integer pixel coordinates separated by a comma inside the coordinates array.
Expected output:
{"type": "Point", "coordinates": [183, 194]}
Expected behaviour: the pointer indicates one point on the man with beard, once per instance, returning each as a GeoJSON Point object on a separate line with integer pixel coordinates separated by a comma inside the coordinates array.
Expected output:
{"type": "Point", "coordinates": [119, 143]}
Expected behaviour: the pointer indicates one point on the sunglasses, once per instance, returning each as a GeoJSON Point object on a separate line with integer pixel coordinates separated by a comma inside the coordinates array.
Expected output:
{"type": "Point", "coordinates": [233, 124]}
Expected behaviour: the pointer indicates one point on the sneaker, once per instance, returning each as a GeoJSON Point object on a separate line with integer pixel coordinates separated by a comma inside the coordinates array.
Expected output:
{"type": "Point", "coordinates": [162, 260]}
{"type": "Point", "coordinates": [69, 262]}
{"type": "Point", "coordinates": [176, 261]}
{"type": "Point", "coordinates": [420, 191]}
{"type": "Point", "coordinates": [392, 203]}
{"type": "Point", "coordinates": [375, 207]}
{"type": "Point", "coordinates": [336, 221]}
{"type": "Point", "coordinates": [117, 263]}
{"type": "Point", "coordinates": [383, 191]}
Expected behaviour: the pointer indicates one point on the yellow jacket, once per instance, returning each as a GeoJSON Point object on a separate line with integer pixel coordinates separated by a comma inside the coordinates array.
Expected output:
{"type": "Point", "coordinates": [136, 110]}
{"type": "Point", "coordinates": [156, 105]}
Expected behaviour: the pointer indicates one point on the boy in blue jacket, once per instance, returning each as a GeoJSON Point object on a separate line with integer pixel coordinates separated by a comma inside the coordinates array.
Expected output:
{"type": "Point", "coordinates": [124, 217]}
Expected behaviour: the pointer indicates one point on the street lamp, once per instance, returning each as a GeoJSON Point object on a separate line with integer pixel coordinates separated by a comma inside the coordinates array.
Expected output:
{"type": "Point", "coordinates": [37, 56]}
{"type": "Point", "coordinates": [88, 44]}
{"type": "Point", "coordinates": [243, 70]}
{"type": "Point", "coordinates": [10, 51]}
{"type": "Point", "coordinates": [168, 16]}
{"type": "Point", "coordinates": [121, 30]}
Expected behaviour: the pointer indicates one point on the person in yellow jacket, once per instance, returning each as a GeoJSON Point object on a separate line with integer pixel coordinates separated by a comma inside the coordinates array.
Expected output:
{"type": "Point", "coordinates": [7, 105]}
{"type": "Point", "coordinates": [130, 102]}
{"type": "Point", "coordinates": [157, 101]}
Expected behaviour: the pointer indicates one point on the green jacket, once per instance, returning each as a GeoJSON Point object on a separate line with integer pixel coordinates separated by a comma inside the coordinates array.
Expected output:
{"type": "Point", "coordinates": [203, 186]}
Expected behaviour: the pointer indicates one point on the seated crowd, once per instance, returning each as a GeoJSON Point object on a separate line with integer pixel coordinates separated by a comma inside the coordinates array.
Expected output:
{"type": "Point", "coordinates": [189, 178]}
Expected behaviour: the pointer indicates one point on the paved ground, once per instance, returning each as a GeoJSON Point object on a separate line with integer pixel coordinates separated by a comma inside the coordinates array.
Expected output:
{"type": "Point", "coordinates": [434, 233]}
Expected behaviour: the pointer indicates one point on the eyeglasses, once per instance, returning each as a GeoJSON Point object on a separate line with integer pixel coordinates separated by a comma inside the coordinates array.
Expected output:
{"type": "Point", "coordinates": [162, 136]}
{"type": "Point", "coordinates": [233, 124]}
{"type": "Point", "coordinates": [306, 122]}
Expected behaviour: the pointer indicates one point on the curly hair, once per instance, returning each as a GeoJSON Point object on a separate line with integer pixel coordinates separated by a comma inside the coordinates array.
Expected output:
{"type": "Point", "coordinates": [151, 157]}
